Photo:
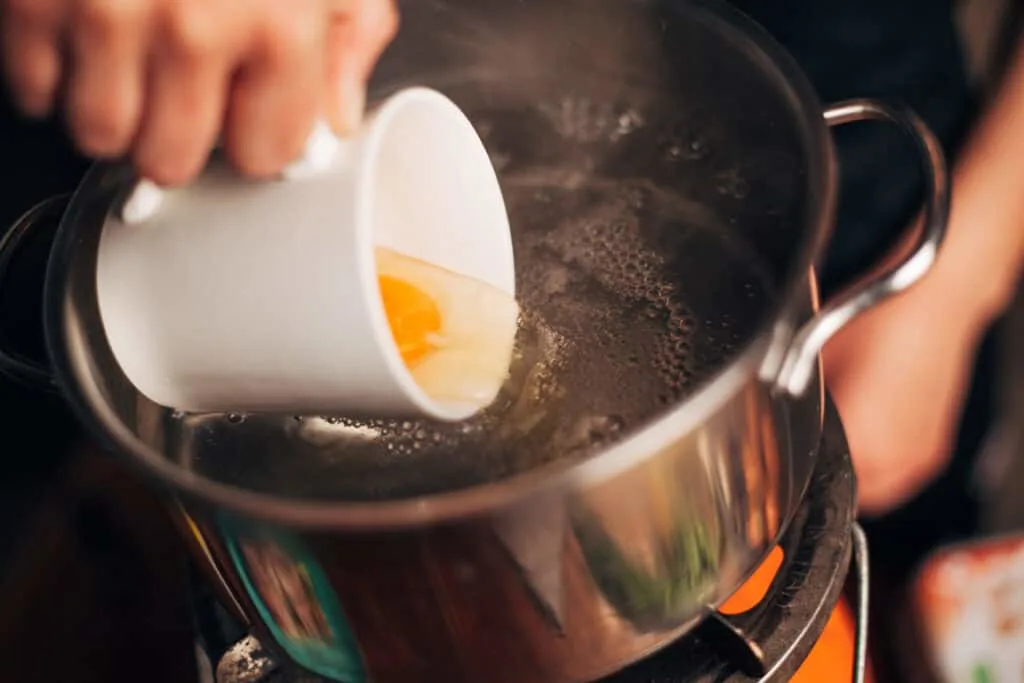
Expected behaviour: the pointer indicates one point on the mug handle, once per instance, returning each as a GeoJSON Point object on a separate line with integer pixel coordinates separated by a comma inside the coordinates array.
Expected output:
{"type": "Point", "coordinates": [322, 148]}
{"type": "Point", "coordinates": [46, 214]}
{"type": "Point", "coordinates": [800, 360]}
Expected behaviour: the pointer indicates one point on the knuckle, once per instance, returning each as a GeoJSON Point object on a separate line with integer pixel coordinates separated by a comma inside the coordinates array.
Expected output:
{"type": "Point", "coordinates": [108, 16]}
{"type": "Point", "coordinates": [192, 31]}
{"type": "Point", "coordinates": [293, 33]}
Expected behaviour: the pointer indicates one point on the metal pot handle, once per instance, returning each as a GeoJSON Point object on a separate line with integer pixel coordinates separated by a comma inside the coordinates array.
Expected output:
{"type": "Point", "coordinates": [47, 213]}
{"type": "Point", "coordinates": [862, 577]}
{"type": "Point", "coordinates": [800, 362]}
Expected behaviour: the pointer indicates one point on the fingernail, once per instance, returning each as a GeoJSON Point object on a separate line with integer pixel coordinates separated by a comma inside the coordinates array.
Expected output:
{"type": "Point", "coordinates": [351, 106]}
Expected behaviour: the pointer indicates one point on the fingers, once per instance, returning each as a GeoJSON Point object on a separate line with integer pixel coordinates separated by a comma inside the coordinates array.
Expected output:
{"type": "Point", "coordinates": [277, 95]}
{"type": "Point", "coordinates": [357, 35]}
{"type": "Point", "coordinates": [188, 78]}
{"type": "Point", "coordinates": [29, 32]}
{"type": "Point", "coordinates": [105, 89]}
{"type": "Point", "coordinates": [158, 80]}
{"type": "Point", "coordinates": [376, 23]}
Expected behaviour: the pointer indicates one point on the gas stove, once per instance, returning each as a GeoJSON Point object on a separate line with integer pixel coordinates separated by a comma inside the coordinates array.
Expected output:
{"type": "Point", "coordinates": [825, 555]}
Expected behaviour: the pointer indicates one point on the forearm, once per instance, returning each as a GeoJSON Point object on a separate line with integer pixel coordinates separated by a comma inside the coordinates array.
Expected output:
{"type": "Point", "coordinates": [982, 259]}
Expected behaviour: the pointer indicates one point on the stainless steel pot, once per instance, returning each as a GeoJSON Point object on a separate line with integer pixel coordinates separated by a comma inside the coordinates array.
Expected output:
{"type": "Point", "coordinates": [671, 181]}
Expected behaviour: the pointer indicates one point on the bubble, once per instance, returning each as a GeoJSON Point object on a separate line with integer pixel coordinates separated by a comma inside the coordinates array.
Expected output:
{"type": "Point", "coordinates": [628, 121]}
{"type": "Point", "coordinates": [608, 340]}
{"type": "Point", "coordinates": [732, 184]}
{"type": "Point", "coordinates": [696, 149]}
{"type": "Point", "coordinates": [593, 431]}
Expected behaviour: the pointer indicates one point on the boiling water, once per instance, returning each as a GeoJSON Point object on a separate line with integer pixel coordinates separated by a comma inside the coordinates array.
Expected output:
{"type": "Point", "coordinates": [618, 320]}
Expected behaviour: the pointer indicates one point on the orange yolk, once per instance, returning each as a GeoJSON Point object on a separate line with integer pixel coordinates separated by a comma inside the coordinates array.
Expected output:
{"type": "Point", "coordinates": [413, 316]}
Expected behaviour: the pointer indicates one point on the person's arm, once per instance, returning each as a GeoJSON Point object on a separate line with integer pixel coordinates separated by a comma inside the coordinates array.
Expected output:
{"type": "Point", "coordinates": [980, 265]}
{"type": "Point", "coordinates": [900, 373]}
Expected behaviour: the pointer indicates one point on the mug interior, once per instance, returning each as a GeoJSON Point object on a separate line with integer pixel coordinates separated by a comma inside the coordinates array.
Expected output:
{"type": "Point", "coordinates": [427, 190]}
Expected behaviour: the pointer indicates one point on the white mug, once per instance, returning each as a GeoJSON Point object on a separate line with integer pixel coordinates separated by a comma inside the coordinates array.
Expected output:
{"type": "Point", "coordinates": [238, 295]}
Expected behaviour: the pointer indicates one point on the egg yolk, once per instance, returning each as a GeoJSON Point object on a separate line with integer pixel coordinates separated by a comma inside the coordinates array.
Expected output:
{"type": "Point", "coordinates": [413, 316]}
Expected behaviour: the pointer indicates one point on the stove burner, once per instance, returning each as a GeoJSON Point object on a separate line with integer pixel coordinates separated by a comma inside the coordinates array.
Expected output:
{"type": "Point", "coordinates": [770, 642]}
{"type": "Point", "coordinates": [764, 645]}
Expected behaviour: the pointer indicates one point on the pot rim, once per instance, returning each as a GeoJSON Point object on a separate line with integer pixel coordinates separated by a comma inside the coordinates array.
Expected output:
{"type": "Point", "coordinates": [475, 501]}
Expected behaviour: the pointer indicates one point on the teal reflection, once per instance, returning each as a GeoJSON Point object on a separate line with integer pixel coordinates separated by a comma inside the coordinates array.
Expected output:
{"type": "Point", "coordinates": [294, 600]}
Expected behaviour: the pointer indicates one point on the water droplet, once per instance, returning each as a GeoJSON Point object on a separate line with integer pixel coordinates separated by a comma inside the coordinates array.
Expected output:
{"type": "Point", "coordinates": [236, 418]}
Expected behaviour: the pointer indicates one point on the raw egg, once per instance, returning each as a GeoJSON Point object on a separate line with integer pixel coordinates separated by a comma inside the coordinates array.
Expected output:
{"type": "Point", "coordinates": [455, 334]}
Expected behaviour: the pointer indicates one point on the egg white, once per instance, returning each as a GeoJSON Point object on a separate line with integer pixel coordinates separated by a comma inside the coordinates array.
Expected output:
{"type": "Point", "coordinates": [477, 335]}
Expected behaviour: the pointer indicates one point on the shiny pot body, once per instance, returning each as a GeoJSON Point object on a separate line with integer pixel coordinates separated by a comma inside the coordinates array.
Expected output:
{"type": "Point", "coordinates": [576, 567]}
{"type": "Point", "coordinates": [566, 584]}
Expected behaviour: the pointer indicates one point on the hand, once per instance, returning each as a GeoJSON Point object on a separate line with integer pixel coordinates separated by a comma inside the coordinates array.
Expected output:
{"type": "Point", "coordinates": [898, 375]}
{"type": "Point", "coordinates": [160, 80]}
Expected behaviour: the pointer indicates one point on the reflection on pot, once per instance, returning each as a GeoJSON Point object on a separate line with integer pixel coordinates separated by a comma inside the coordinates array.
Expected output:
{"type": "Point", "coordinates": [294, 600]}
{"type": "Point", "coordinates": [287, 590]}
{"type": "Point", "coordinates": [681, 572]}
{"type": "Point", "coordinates": [653, 556]}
